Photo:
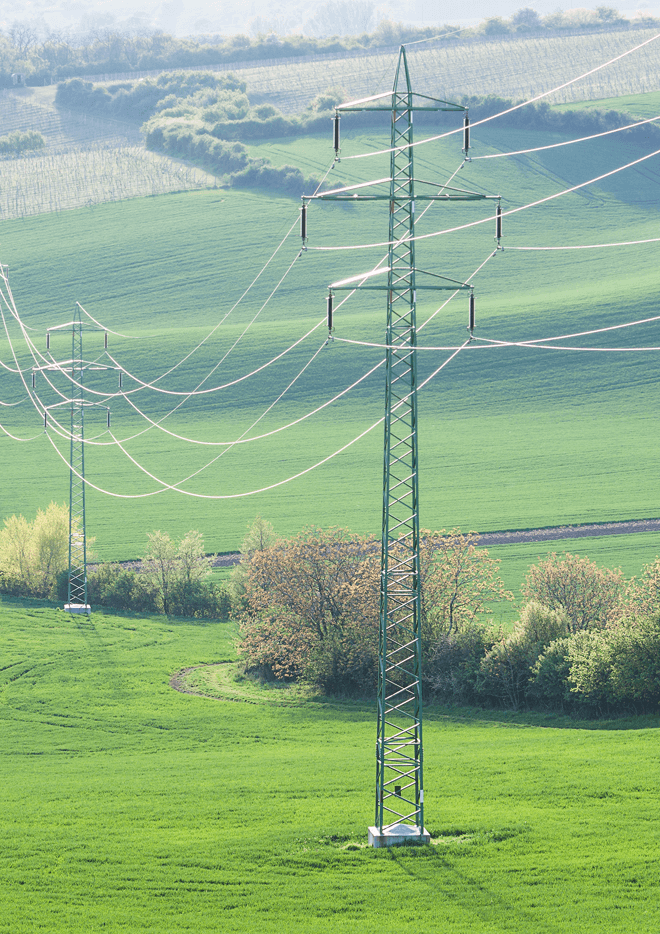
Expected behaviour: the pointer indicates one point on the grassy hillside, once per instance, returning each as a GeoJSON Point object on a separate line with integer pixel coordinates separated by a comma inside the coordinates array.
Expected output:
{"type": "Point", "coordinates": [130, 807]}
{"type": "Point", "coordinates": [642, 105]}
{"type": "Point", "coordinates": [509, 438]}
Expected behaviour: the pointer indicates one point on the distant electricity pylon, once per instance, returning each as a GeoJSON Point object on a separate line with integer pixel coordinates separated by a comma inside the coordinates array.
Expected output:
{"type": "Point", "coordinates": [77, 589]}
{"type": "Point", "coordinates": [77, 582]}
{"type": "Point", "coordinates": [399, 754]}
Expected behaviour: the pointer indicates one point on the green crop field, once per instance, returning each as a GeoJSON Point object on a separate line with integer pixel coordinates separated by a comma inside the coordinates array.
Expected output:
{"type": "Point", "coordinates": [127, 806]}
{"type": "Point", "coordinates": [510, 438]}
{"type": "Point", "coordinates": [641, 105]}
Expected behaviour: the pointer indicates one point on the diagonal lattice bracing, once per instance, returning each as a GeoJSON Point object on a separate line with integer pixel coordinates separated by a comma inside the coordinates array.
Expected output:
{"type": "Point", "coordinates": [399, 739]}
{"type": "Point", "coordinates": [77, 534]}
{"type": "Point", "coordinates": [399, 757]}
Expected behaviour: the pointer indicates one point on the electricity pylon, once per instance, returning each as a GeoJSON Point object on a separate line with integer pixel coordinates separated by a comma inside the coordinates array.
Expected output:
{"type": "Point", "coordinates": [77, 589]}
{"type": "Point", "coordinates": [399, 813]}
{"type": "Point", "coordinates": [75, 369]}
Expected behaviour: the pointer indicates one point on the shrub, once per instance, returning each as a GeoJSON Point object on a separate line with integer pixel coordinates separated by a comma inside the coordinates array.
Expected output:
{"type": "Point", "coordinates": [311, 610]}
{"type": "Point", "coordinates": [32, 554]}
{"type": "Point", "coordinates": [17, 142]}
{"type": "Point", "coordinates": [634, 663]}
{"type": "Point", "coordinates": [507, 669]}
{"type": "Point", "coordinates": [119, 588]}
{"type": "Point", "coordinates": [589, 596]}
{"type": "Point", "coordinates": [548, 684]}
{"type": "Point", "coordinates": [452, 667]}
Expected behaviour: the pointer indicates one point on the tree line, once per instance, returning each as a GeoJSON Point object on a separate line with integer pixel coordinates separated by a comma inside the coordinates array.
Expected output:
{"type": "Point", "coordinates": [208, 119]}
{"type": "Point", "coordinates": [585, 640]}
{"type": "Point", "coordinates": [172, 577]}
{"type": "Point", "coordinates": [45, 55]}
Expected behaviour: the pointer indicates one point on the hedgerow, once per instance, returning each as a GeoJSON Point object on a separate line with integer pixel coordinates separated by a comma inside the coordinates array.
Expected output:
{"type": "Point", "coordinates": [310, 613]}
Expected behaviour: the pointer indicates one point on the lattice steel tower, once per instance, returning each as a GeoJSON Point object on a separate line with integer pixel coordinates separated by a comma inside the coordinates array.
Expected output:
{"type": "Point", "coordinates": [77, 529]}
{"type": "Point", "coordinates": [399, 813]}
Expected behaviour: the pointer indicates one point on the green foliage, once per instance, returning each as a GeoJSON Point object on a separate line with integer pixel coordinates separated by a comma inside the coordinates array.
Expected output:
{"type": "Point", "coordinates": [200, 117]}
{"type": "Point", "coordinates": [506, 669]}
{"type": "Point", "coordinates": [589, 596]}
{"type": "Point", "coordinates": [18, 142]}
{"type": "Point", "coordinates": [114, 49]}
{"type": "Point", "coordinates": [643, 593]}
{"type": "Point", "coordinates": [175, 571]}
{"type": "Point", "coordinates": [32, 554]}
{"type": "Point", "coordinates": [260, 535]}
{"type": "Point", "coordinates": [141, 99]}
{"type": "Point", "coordinates": [119, 588]}
{"type": "Point", "coordinates": [311, 606]}
{"type": "Point", "coordinates": [311, 610]}
{"type": "Point", "coordinates": [452, 667]}
{"type": "Point", "coordinates": [171, 579]}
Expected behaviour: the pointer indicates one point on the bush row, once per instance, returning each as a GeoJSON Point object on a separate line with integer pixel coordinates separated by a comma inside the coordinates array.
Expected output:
{"type": "Point", "coordinates": [540, 665]}
{"type": "Point", "coordinates": [15, 143]}
{"type": "Point", "coordinates": [586, 641]}
{"type": "Point", "coordinates": [119, 588]}
{"type": "Point", "coordinates": [59, 56]}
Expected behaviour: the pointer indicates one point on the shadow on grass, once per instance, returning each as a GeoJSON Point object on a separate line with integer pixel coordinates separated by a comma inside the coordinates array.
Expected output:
{"type": "Point", "coordinates": [223, 681]}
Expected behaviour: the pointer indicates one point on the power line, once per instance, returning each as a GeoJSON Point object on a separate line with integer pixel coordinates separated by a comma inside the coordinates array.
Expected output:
{"type": "Point", "coordinates": [568, 142]}
{"type": "Point", "coordinates": [509, 110]}
{"type": "Point", "coordinates": [587, 246]}
{"type": "Point", "coordinates": [488, 220]}
{"type": "Point", "coordinates": [165, 487]}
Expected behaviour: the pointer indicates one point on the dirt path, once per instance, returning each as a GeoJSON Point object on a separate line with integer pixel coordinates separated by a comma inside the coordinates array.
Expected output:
{"type": "Point", "coordinates": [517, 537]}
{"type": "Point", "coordinates": [570, 531]}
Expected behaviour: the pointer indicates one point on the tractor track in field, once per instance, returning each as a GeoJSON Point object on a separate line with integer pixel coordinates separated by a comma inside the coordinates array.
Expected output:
{"type": "Point", "coordinates": [515, 537]}
{"type": "Point", "coordinates": [557, 532]}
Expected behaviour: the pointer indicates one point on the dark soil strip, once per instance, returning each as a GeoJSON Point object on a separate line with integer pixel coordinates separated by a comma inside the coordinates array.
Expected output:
{"type": "Point", "coordinates": [569, 531]}
{"type": "Point", "coordinates": [516, 537]}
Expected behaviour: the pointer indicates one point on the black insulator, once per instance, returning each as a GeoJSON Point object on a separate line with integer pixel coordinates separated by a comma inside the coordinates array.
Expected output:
{"type": "Point", "coordinates": [105, 340]}
{"type": "Point", "coordinates": [303, 222]}
{"type": "Point", "coordinates": [471, 313]}
{"type": "Point", "coordinates": [498, 223]}
{"type": "Point", "coordinates": [466, 133]}
{"type": "Point", "coordinates": [47, 340]}
{"type": "Point", "coordinates": [34, 380]}
{"type": "Point", "coordinates": [330, 297]}
{"type": "Point", "coordinates": [336, 141]}
{"type": "Point", "coordinates": [45, 419]}
{"type": "Point", "coordinates": [108, 418]}
{"type": "Point", "coordinates": [120, 376]}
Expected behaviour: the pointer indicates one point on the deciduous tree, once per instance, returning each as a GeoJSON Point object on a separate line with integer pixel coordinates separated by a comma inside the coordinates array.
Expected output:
{"type": "Point", "coordinates": [32, 554]}
{"type": "Point", "coordinates": [459, 580]}
{"type": "Point", "coordinates": [590, 596]}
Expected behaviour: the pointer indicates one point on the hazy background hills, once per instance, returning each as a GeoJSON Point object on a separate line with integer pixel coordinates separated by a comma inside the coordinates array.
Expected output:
{"type": "Point", "coordinates": [254, 16]}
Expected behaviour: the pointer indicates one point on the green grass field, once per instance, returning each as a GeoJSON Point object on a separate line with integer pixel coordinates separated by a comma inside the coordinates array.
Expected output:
{"type": "Point", "coordinates": [641, 105]}
{"type": "Point", "coordinates": [130, 807]}
{"type": "Point", "coordinates": [508, 438]}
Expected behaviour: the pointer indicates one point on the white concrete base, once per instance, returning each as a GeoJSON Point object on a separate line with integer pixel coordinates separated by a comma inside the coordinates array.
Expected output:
{"type": "Point", "coordinates": [398, 834]}
{"type": "Point", "coordinates": [78, 608]}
